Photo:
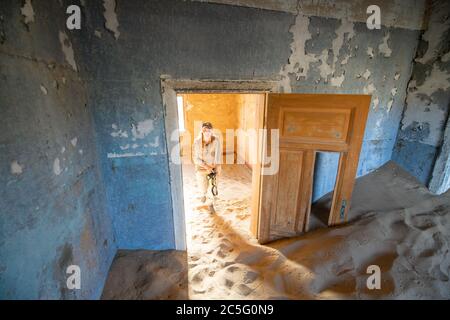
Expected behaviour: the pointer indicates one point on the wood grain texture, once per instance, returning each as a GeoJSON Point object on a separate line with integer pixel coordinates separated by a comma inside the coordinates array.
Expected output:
{"type": "Point", "coordinates": [307, 124]}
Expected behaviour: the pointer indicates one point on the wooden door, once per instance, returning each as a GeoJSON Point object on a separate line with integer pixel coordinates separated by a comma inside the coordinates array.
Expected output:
{"type": "Point", "coordinates": [307, 124]}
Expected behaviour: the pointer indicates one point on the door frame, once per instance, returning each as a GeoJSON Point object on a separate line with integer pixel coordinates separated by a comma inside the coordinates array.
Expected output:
{"type": "Point", "coordinates": [169, 89]}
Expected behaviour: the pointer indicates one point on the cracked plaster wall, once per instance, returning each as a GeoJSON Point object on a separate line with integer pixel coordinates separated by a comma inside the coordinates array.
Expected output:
{"type": "Point", "coordinates": [420, 141]}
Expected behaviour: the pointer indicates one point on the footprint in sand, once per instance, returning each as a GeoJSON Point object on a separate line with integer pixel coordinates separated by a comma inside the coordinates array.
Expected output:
{"type": "Point", "coordinates": [228, 283]}
{"type": "Point", "coordinates": [232, 269]}
{"type": "Point", "coordinates": [222, 253]}
{"type": "Point", "coordinates": [244, 290]}
{"type": "Point", "coordinates": [250, 276]}
{"type": "Point", "coordinates": [198, 276]}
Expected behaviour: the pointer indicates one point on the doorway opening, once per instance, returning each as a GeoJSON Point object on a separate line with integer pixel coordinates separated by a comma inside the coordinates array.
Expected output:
{"type": "Point", "coordinates": [227, 261]}
{"type": "Point", "coordinates": [325, 174]}
{"type": "Point", "coordinates": [219, 226]}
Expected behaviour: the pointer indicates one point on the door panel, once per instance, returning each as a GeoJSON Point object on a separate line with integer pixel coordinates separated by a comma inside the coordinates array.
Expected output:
{"type": "Point", "coordinates": [289, 175]}
{"type": "Point", "coordinates": [292, 193]}
{"type": "Point", "coordinates": [307, 124]}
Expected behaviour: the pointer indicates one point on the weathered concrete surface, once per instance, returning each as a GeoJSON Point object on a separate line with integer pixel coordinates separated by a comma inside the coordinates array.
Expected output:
{"type": "Point", "coordinates": [427, 104]}
{"type": "Point", "coordinates": [52, 202]}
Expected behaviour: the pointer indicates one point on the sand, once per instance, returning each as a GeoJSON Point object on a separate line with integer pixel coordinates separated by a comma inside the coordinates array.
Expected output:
{"type": "Point", "coordinates": [394, 222]}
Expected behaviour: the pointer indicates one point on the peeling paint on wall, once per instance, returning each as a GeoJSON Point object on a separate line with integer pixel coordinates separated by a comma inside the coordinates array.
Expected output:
{"type": "Point", "coordinates": [125, 147]}
{"type": "Point", "coordinates": [16, 168]}
{"type": "Point", "coordinates": [155, 143]}
{"type": "Point", "coordinates": [142, 129]}
{"type": "Point", "coordinates": [389, 105]}
{"type": "Point", "coordinates": [57, 167]}
{"type": "Point", "coordinates": [50, 191]}
{"type": "Point", "coordinates": [337, 81]}
{"type": "Point", "coordinates": [125, 155]}
{"type": "Point", "coordinates": [299, 61]}
{"type": "Point", "coordinates": [375, 102]}
{"type": "Point", "coordinates": [344, 32]}
{"type": "Point", "coordinates": [383, 48]}
{"type": "Point", "coordinates": [111, 22]}
{"type": "Point", "coordinates": [366, 74]}
{"type": "Point", "coordinates": [369, 88]}
{"type": "Point", "coordinates": [66, 47]}
{"type": "Point", "coordinates": [27, 12]}
{"type": "Point", "coordinates": [420, 99]}
{"type": "Point", "coordinates": [370, 52]}
{"type": "Point", "coordinates": [118, 132]}
{"type": "Point", "coordinates": [43, 89]}
{"type": "Point", "coordinates": [428, 99]}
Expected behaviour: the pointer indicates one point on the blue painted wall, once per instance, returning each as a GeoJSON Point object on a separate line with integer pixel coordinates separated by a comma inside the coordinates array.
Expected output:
{"type": "Point", "coordinates": [420, 138]}
{"type": "Point", "coordinates": [118, 187]}
{"type": "Point", "coordinates": [163, 37]}
{"type": "Point", "coordinates": [52, 201]}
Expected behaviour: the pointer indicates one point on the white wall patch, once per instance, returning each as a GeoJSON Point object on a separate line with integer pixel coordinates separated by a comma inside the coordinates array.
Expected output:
{"type": "Point", "coordinates": [155, 143]}
{"type": "Point", "coordinates": [44, 90]}
{"type": "Point", "coordinates": [16, 168]}
{"type": "Point", "coordinates": [383, 48]}
{"type": "Point", "coordinates": [299, 61]}
{"type": "Point", "coordinates": [346, 28]}
{"type": "Point", "coordinates": [337, 81]}
{"type": "Point", "coordinates": [125, 155]}
{"type": "Point", "coordinates": [111, 22]}
{"type": "Point", "coordinates": [125, 147]}
{"type": "Point", "coordinates": [370, 52]}
{"type": "Point", "coordinates": [142, 129]}
{"type": "Point", "coordinates": [369, 89]}
{"type": "Point", "coordinates": [67, 49]}
{"type": "Point", "coordinates": [28, 12]}
{"type": "Point", "coordinates": [57, 167]}
{"type": "Point", "coordinates": [376, 102]}
{"type": "Point", "coordinates": [389, 105]}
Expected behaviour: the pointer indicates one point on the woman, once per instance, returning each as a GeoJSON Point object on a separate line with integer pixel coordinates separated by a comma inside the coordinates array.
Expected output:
{"type": "Point", "coordinates": [207, 157]}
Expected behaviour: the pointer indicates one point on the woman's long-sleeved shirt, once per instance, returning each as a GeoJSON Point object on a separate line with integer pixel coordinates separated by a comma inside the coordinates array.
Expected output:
{"type": "Point", "coordinates": [210, 153]}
